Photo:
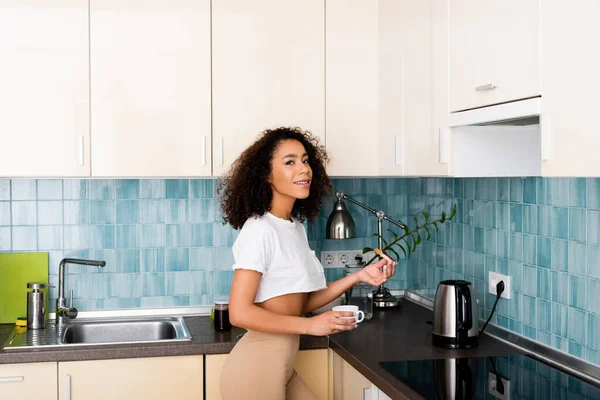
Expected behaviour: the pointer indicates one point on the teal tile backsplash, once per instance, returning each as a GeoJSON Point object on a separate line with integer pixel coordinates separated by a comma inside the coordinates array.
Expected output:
{"type": "Point", "coordinates": [165, 246]}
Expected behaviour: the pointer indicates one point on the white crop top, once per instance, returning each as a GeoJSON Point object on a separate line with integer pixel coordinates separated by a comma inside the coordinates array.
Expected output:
{"type": "Point", "coordinates": [279, 250]}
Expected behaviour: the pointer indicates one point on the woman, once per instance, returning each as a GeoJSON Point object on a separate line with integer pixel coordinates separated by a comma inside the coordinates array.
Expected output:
{"type": "Point", "coordinates": [277, 183]}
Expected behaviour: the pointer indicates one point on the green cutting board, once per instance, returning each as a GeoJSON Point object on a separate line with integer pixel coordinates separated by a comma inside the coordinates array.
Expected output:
{"type": "Point", "coordinates": [16, 270]}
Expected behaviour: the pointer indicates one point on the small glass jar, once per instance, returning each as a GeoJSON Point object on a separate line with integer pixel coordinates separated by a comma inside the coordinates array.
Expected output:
{"type": "Point", "coordinates": [221, 322]}
{"type": "Point", "coordinates": [360, 295]}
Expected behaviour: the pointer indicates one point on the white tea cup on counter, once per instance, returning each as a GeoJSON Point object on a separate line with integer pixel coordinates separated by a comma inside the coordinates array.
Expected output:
{"type": "Point", "coordinates": [357, 313]}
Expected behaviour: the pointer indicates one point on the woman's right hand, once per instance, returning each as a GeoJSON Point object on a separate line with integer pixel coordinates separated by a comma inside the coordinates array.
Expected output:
{"type": "Point", "coordinates": [331, 322]}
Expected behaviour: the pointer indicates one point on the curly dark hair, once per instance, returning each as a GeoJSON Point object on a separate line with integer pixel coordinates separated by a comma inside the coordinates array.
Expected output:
{"type": "Point", "coordinates": [245, 190]}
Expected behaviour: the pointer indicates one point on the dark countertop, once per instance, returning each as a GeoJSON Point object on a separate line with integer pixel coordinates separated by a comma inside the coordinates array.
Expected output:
{"type": "Point", "coordinates": [204, 341]}
{"type": "Point", "coordinates": [400, 334]}
{"type": "Point", "coordinates": [391, 335]}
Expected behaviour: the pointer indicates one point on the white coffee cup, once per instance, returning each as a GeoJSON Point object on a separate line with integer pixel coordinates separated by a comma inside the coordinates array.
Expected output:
{"type": "Point", "coordinates": [357, 313]}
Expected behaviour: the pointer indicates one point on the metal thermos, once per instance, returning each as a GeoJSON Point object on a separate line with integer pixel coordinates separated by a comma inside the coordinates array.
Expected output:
{"type": "Point", "coordinates": [36, 305]}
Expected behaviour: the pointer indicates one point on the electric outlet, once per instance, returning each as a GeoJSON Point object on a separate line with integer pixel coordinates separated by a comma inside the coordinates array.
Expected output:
{"type": "Point", "coordinates": [329, 259]}
{"type": "Point", "coordinates": [494, 278]}
{"type": "Point", "coordinates": [500, 390]}
{"type": "Point", "coordinates": [349, 257]}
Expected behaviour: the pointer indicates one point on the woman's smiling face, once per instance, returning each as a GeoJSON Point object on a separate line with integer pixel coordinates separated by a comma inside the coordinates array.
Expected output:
{"type": "Point", "coordinates": [290, 171]}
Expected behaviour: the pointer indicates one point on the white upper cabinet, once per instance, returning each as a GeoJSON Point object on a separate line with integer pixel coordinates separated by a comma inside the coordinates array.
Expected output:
{"type": "Point", "coordinates": [570, 88]}
{"type": "Point", "coordinates": [150, 88]}
{"type": "Point", "coordinates": [352, 87]}
{"type": "Point", "coordinates": [494, 51]}
{"type": "Point", "coordinates": [411, 114]}
{"type": "Point", "coordinates": [268, 70]}
{"type": "Point", "coordinates": [44, 88]}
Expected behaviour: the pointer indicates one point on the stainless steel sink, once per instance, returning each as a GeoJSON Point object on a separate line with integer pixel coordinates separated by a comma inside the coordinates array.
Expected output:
{"type": "Point", "coordinates": [103, 332]}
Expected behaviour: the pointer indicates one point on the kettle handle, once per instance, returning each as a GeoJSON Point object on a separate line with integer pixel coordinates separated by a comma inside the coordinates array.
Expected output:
{"type": "Point", "coordinates": [463, 307]}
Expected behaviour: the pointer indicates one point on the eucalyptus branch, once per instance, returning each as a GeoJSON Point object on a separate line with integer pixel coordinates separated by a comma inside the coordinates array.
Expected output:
{"type": "Point", "coordinates": [411, 238]}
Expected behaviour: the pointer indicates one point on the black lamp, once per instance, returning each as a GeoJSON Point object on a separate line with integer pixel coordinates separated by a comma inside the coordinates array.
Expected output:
{"type": "Point", "coordinates": [340, 225]}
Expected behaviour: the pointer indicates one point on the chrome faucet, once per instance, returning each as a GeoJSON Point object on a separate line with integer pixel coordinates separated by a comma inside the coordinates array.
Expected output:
{"type": "Point", "coordinates": [64, 314]}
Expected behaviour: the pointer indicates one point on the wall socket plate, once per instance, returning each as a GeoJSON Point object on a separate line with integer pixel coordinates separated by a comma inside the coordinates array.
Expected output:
{"type": "Point", "coordinates": [338, 259]}
{"type": "Point", "coordinates": [493, 386]}
{"type": "Point", "coordinates": [494, 278]}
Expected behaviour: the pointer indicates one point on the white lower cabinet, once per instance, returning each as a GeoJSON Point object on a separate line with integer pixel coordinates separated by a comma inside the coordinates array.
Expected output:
{"type": "Point", "coordinates": [311, 365]}
{"type": "Point", "coordinates": [28, 381]}
{"type": "Point", "coordinates": [135, 378]}
{"type": "Point", "coordinates": [349, 384]}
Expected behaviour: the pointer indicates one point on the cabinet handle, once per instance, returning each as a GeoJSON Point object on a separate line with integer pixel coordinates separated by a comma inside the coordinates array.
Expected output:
{"type": "Point", "coordinates": [81, 138]}
{"type": "Point", "coordinates": [487, 86]}
{"type": "Point", "coordinates": [203, 158]}
{"type": "Point", "coordinates": [221, 151]}
{"type": "Point", "coordinates": [444, 138]}
{"type": "Point", "coordinates": [68, 388]}
{"type": "Point", "coordinates": [399, 149]}
{"type": "Point", "coordinates": [11, 379]}
{"type": "Point", "coordinates": [366, 393]}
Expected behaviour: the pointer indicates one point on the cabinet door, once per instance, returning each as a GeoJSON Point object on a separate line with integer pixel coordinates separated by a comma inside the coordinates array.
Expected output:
{"type": "Point", "coordinates": [352, 87]}
{"type": "Point", "coordinates": [138, 378]}
{"type": "Point", "coordinates": [571, 87]}
{"type": "Point", "coordinates": [349, 384]}
{"type": "Point", "coordinates": [311, 365]}
{"type": "Point", "coordinates": [44, 95]}
{"type": "Point", "coordinates": [28, 381]}
{"type": "Point", "coordinates": [495, 44]}
{"type": "Point", "coordinates": [409, 113]}
{"type": "Point", "coordinates": [150, 74]}
{"type": "Point", "coordinates": [268, 70]}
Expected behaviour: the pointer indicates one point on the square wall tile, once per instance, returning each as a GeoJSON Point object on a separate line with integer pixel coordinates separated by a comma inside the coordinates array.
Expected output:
{"type": "Point", "coordinates": [101, 189]}
{"type": "Point", "coordinates": [50, 189]}
{"type": "Point", "coordinates": [577, 258]}
{"type": "Point", "coordinates": [128, 286]}
{"type": "Point", "coordinates": [153, 260]}
{"type": "Point", "coordinates": [516, 190]}
{"type": "Point", "coordinates": [202, 258]}
{"type": "Point", "coordinates": [153, 235]}
{"type": "Point", "coordinates": [559, 254]}
{"type": "Point", "coordinates": [593, 193]}
{"type": "Point", "coordinates": [102, 212]}
{"type": "Point", "coordinates": [201, 235]}
{"type": "Point", "coordinates": [178, 235]}
{"type": "Point", "coordinates": [178, 259]}
{"type": "Point", "coordinates": [153, 285]}
{"type": "Point", "coordinates": [577, 224]}
{"type": "Point", "coordinates": [23, 189]}
{"type": "Point", "coordinates": [75, 189]}
{"type": "Point", "coordinates": [178, 283]}
{"type": "Point", "coordinates": [152, 211]}
{"type": "Point", "coordinates": [128, 261]}
{"type": "Point", "coordinates": [560, 192]}
{"type": "Point", "coordinates": [153, 189]}
{"type": "Point", "coordinates": [560, 287]}
{"type": "Point", "coordinates": [76, 236]}
{"type": "Point", "coordinates": [50, 237]}
{"type": "Point", "coordinates": [593, 227]}
{"type": "Point", "coordinates": [177, 188]}
{"type": "Point", "coordinates": [102, 236]}
{"type": "Point", "coordinates": [50, 212]}
{"type": "Point", "coordinates": [176, 211]}
{"type": "Point", "coordinates": [24, 238]}
{"type": "Point", "coordinates": [203, 188]}
{"type": "Point", "coordinates": [577, 292]}
{"type": "Point", "coordinates": [127, 211]}
{"type": "Point", "coordinates": [529, 190]}
{"type": "Point", "coordinates": [76, 212]}
{"type": "Point", "coordinates": [201, 210]}
{"type": "Point", "coordinates": [128, 236]}
{"type": "Point", "coordinates": [24, 213]}
{"type": "Point", "coordinates": [560, 223]}
{"type": "Point", "coordinates": [593, 261]}
{"type": "Point", "coordinates": [127, 188]}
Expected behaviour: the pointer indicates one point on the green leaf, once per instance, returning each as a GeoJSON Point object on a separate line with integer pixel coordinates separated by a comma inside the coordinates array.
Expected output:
{"type": "Point", "coordinates": [408, 246]}
{"type": "Point", "coordinates": [426, 215]}
{"type": "Point", "coordinates": [416, 221]}
{"type": "Point", "coordinates": [453, 213]}
{"type": "Point", "coordinates": [436, 227]}
{"type": "Point", "coordinates": [418, 239]}
{"type": "Point", "coordinates": [428, 234]}
{"type": "Point", "coordinates": [402, 248]}
{"type": "Point", "coordinates": [404, 227]}
{"type": "Point", "coordinates": [367, 249]}
{"type": "Point", "coordinates": [393, 233]}
{"type": "Point", "coordinates": [443, 219]}
{"type": "Point", "coordinates": [385, 243]}
{"type": "Point", "coordinates": [394, 251]}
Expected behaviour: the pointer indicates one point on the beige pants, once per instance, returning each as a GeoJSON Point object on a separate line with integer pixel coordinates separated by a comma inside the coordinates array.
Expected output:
{"type": "Point", "coordinates": [261, 367]}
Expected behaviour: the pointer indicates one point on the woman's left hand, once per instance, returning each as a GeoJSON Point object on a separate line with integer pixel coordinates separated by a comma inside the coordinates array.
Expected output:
{"type": "Point", "coordinates": [377, 274]}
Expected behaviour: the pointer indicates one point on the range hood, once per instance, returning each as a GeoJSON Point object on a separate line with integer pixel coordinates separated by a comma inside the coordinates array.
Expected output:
{"type": "Point", "coordinates": [522, 112]}
{"type": "Point", "coordinates": [498, 141]}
